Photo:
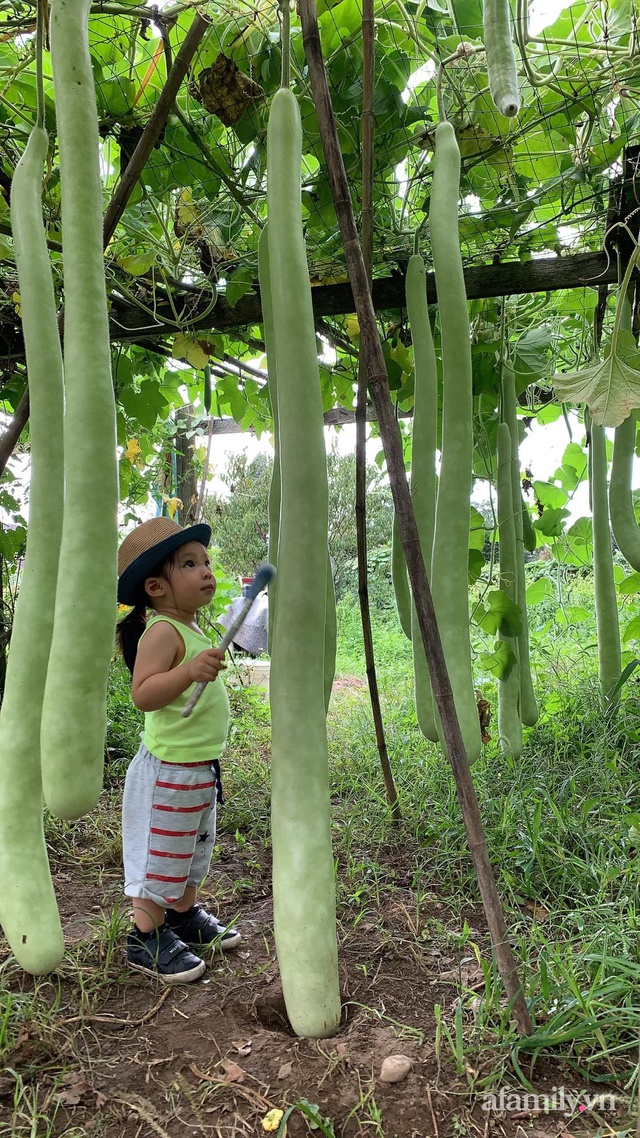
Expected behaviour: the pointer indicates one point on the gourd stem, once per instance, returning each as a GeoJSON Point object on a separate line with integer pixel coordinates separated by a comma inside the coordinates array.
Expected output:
{"type": "Point", "coordinates": [285, 42]}
{"type": "Point", "coordinates": [442, 116]}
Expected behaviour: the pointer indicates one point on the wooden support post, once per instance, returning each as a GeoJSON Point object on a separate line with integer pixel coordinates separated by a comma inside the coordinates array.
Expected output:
{"type": "Point", "coordinates": [379, 387]}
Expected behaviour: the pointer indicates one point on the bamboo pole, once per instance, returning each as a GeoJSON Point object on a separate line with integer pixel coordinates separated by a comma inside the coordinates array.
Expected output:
{"type": "Point", "coordinates": [379, 387]}
{"type": "Point", "coordinates": [368, 62]}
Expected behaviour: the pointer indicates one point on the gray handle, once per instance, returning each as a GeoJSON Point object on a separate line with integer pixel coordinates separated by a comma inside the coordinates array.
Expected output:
{"type": "Point", "coordinates": [264, 574]}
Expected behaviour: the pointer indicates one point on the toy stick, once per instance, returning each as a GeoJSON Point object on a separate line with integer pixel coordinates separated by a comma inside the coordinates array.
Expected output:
{"type": "Point", "coordinates": [264, 574]}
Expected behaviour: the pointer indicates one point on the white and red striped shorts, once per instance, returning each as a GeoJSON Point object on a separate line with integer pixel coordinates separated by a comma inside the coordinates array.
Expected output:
{"type": "Point", "coordinates": [168, 826]}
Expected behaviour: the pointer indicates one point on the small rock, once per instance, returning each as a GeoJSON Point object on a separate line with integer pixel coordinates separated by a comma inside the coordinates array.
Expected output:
{"type": "Point", "coordinates": [395, 1068]}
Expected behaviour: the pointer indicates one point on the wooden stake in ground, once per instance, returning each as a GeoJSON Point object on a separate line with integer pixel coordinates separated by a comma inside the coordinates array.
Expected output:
{"type": "Point", "coordinates": [379, 388]}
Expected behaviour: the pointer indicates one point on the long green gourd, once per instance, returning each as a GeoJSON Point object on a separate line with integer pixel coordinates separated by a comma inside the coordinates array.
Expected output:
{"type": "Point", "coordinates": [272, 381]}
{"type": "Point", "coordinates": [28, 910]}
{"type": "Point", "coordinates": [609, 651]}
{"type": "Point", "coordinates": [423, 468]}
{"type": "Point", "coordinates": [400, 579]}
{"type": "Point", "coordinates": [331, 626]}
{"type": "Point", "coordinates": [330, 636]}
{"type": "Point", "coordinates": [623, 517]}
{"type": "Point", "coordinates": [74, 707]}
{"type": "Point", "coordinates": [528, 532]}
{"type": "Point", "coordinates": [509, 722]}
{"type": "Point", "coordinates": [303, 877]}
{"type": "Point", "coordinates": [528, 703]}
{"type": "Point", "coordinates": [501, 60]}
{"type": "Point", "coordinates": [451, 536]}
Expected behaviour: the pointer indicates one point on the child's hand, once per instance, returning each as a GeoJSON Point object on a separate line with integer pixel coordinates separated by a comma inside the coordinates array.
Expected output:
{"type": "Point", "coordinates": [205, 667]}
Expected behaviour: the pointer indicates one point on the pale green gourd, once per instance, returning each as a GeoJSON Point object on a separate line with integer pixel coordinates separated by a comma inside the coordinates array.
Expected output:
{"type": "Point", "coordinates": [509, 722]}
{"type": "Point", "coordinates": [303, 871]}
{"type": "Point", "coordinates": [623, 516]}
{"type": "Point", "coordinates": [607, 624]}
{"type": "Point", "coordinates": [272, 380]}
{"type": "Point", "coordinates": [331, 627]}
{"type": "Point", "coordinates": [74, 707]}
{"type": "Point", "coordinates": [501, 60]}
{"type": "Point", "coordinates": [423, 468]}
{"type": "Point", "coordinates": [528, 702]}
{"type": "Point", "coordinates": [400, 579]}
{"type": "Point", "coordinates": [450, 560]}
{"type": "Point", "coordinates": [28, 910]}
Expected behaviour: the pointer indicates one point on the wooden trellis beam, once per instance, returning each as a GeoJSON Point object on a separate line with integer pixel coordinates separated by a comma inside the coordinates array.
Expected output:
{"type": "Point", "coordinates": [510, 278]}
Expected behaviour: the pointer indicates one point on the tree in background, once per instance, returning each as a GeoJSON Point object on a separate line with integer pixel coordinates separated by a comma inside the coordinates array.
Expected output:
{"type": "Point", "coordinates": [239, 519]}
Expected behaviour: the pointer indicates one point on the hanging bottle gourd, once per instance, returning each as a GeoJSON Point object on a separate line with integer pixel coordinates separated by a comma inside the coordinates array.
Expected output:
{"type": "Point", "coordinates": [501, 60]}
{"type": "Point", "coordinates": [272, 381]}
{"type": "Point", "coordinates": [331, 627]}
{"type": "Point", "coordinates": [423, 467]}
{"type": "Point", "coordinates": [303, 871]}
{"type": "Point", "coordinates": [623, 516]}
{"type": "Point", "coordinates": [451, 536]}
{"type": "Point", "coordinates": [609, 651]}
{"type": "Point", "coordinates": [28, 909]}
{"type": "Point", "coordinates": [528, 702]}
{"type": "Point", "coordinates": [74, 711]}
{"type": "Point", "coordinates": [509, 722]}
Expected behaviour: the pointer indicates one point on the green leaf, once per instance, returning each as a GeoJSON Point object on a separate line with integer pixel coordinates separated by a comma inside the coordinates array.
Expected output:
{"type": "Point", "coordinates": [12, 542]}
{"type": "Point", "coordinates": [632, 631]}
{"type": "Point", "coordinates": [476, 529]}
{"type": "Point", "coordinates": [468, 17]}
{"type": "Point", "coordinates": [551, 524]}
{"type": "Point", "coordinates": [610, 388]}
{"type": "Point", "coordinates": [539, 590]}
{"type": "Point", "coordinates": [138, 263]}
{"type": "Point", "coordinates": [532, 349]}
{"type": "Point", "coordinates": [630, 585]}
{"type": "Point", "coordinates": [501, 614]}
{"type": "Point", "coordinates": [476, 565]}
{"type": "Point", "coordinates": [549, 495]}
{"type": "Point", "coordinates": [550, 413]}
{"type": "Point", "coordinates": [577, 614]}
{"type": "Point", "coordinates": [239, 284]}
{"type": "Point", "coordinates": [501, 661]}
{"type": "Point", "coordinates": [574, 469]}
{"type": "Point", "coordinates": [144, 406]}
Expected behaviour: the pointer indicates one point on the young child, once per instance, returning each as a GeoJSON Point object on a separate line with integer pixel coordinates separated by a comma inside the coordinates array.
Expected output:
{"type": "Point", "coordinates": [169, 806]}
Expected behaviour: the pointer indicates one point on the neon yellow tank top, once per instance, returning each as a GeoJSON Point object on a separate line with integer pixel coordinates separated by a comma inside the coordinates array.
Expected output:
{"type": "Point", "coordinates": [202, 736]}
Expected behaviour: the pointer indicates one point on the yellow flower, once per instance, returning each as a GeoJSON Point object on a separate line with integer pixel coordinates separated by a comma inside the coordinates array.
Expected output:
{"type": "Point", "coordinates": [272, 1120]}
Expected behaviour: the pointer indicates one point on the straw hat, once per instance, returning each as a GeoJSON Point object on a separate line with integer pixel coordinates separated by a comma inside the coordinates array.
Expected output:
{"type": "Point", "coordinates": [145, 547]}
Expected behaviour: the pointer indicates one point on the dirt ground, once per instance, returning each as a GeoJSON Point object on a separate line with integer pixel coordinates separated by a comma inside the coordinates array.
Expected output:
{"type": "Point", "coordinates": [112, 1053]}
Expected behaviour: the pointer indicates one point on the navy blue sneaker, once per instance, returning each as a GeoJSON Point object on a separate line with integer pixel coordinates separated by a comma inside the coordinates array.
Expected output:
{"type": "Point", "coordinates": [163, 955]}
{"type": "Point", "coordinates": [196, 926]}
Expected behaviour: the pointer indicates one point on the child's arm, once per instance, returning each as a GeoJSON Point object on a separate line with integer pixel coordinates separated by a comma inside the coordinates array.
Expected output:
{"type": "Point", "coordinates": [157, 680]}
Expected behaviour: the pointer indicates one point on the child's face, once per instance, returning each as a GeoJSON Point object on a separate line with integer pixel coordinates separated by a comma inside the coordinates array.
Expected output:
{"type": "Point", "coordinates": [189, 584]}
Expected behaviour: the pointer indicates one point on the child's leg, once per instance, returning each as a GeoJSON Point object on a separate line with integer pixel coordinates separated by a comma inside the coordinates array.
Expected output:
{"type": "Point", "coordinates": [147, 914]}
{"type": "Point", "coordinates": [193, 924]}
{"type": "Point", "coordinates": [156, 860]}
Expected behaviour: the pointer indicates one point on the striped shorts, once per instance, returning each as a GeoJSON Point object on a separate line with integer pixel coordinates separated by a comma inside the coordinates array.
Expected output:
{"type": "Point", "coordinates": [168, 826]}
